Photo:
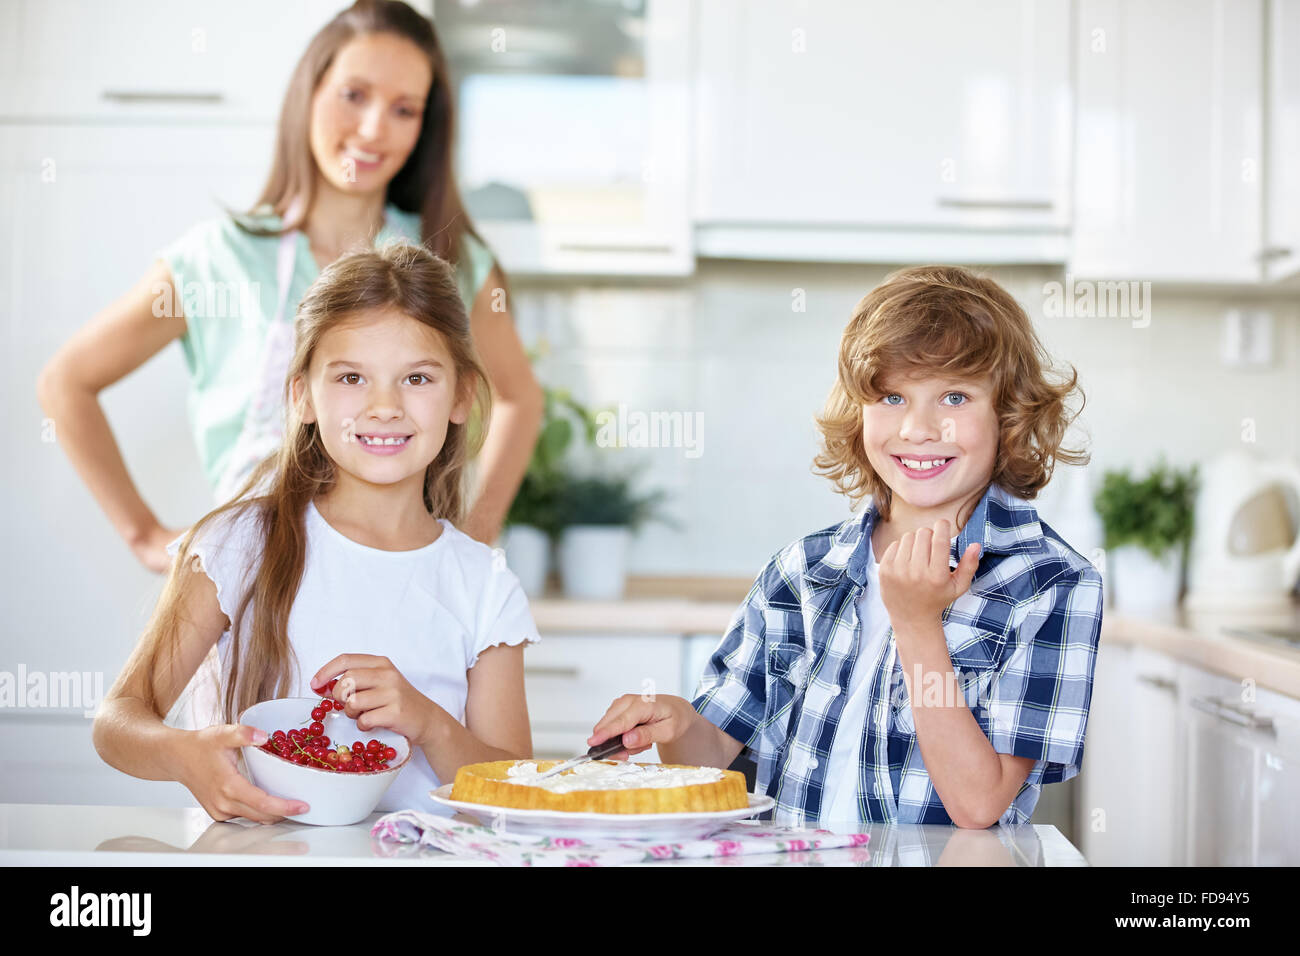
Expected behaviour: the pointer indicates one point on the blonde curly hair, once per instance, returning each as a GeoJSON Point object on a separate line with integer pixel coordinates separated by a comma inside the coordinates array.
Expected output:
{"type": "Point", "coordinates": [946, 320]}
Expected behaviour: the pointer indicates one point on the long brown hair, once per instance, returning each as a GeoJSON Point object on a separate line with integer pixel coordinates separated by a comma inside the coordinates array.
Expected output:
{"type": "Point", "coordinates": [426, 183]}
{"type": "Point", "coordinates": [946, 320]}
{"type": "Point", "coordinates": [399, 276]}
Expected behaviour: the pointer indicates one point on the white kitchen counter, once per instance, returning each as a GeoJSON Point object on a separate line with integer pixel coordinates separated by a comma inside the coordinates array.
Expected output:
{"type": "Point", "coordinates": [51, 835]}
{"type": "Point", "coordinates": [1210, 640]}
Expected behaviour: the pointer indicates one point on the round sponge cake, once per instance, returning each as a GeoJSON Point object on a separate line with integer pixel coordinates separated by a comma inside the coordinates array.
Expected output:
{"type": "Point", "coordinates": [601, 786]}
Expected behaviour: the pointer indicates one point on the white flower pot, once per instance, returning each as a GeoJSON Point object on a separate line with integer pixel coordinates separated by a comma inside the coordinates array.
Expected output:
{"type": "Point", "coordinates": [1139, 582]}
{"type": "Point", "coordinates": [593, 561]}
{"type": "Point", "coordinates": [528, 553]}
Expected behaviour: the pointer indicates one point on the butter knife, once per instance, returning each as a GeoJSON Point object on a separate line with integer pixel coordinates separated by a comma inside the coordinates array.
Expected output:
{"type": "Point", "coordinates": [598, 752]}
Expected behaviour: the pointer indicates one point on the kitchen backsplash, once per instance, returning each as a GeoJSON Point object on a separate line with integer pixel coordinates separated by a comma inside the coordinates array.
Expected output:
{"type": "Point", "coordinates": [742, 356]}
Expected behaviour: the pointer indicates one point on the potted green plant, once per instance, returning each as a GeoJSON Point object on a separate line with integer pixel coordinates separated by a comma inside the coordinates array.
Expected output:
{"type": "Point", "coordinates": [533, 521]}
{"type": "Point", "coordinates": [1147, 523]}
{"type": "Point", "coordinates": [599, 515]}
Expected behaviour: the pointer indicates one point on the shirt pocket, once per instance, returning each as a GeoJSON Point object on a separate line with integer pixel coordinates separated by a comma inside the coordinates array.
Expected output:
{"type": "Point", "coordinates": [787, 672]}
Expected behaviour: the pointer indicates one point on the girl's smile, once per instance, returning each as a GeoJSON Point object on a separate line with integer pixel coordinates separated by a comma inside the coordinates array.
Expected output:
{"type": "Point", "coordinates": [384, 444]}
{"type": "Point", "coordinates": [384, 388]}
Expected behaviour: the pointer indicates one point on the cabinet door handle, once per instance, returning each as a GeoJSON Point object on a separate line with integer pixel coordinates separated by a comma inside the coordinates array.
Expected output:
{"type": "Point", "coordinates": [552, 671]}
{"type": "Point", "coordinates": [1268, 253]}
{"type": "Point", "coordinates": [1164, 683]}
{"type": "Point", "coordinates": [1040, 204]}
{"type": "Point", "coordinates": [1234, 714]}
{"type": "Point", "coordinates": [652, 249]}
{"type": "Point", "coordinates": [161, 96]}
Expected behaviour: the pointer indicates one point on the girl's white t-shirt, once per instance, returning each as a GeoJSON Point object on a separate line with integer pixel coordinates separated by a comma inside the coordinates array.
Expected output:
{"type": "Point", "coordinates": [431, 611]}
{"type": "Point", "coordinates": [841, 785]}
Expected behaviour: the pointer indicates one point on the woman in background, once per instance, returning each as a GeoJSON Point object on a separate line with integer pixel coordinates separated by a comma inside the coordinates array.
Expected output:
{"type": "Point", "coordinates": [363, 154]}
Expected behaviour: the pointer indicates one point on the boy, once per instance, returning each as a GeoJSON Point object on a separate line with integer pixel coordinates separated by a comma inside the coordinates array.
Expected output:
{"type": "Point", "coordinates": [930, 661]}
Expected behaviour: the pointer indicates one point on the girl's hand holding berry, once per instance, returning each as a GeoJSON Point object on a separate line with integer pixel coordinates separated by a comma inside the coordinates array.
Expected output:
{"type": "Point", "coordinates": [380, 696]}
{"type": "Point", "coordinates": [210, 772]}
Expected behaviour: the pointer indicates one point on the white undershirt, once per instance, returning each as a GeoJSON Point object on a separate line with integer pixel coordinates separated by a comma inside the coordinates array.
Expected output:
{"type": "Point", "coordinates": [840, 802]}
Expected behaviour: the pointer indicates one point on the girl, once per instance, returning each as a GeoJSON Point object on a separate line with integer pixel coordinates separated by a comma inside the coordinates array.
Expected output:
{"type": "Point", "coordinates": [363, 154]}
{"type": "Point", "coordinates": [351, 546]}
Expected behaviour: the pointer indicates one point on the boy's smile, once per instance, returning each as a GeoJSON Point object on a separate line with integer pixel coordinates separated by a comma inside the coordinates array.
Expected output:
{"type": "Point", "coordinates": [934, 442]}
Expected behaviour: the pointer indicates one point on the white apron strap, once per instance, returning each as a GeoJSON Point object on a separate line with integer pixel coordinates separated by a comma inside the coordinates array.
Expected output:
{"type": "Point", "coordinates": [262, 429]}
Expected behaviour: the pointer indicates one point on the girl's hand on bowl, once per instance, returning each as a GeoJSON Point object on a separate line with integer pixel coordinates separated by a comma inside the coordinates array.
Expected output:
{"type": "Point", "coordinates": [209, 770]}
{"type": "Point", "coordinates": [377, 695]}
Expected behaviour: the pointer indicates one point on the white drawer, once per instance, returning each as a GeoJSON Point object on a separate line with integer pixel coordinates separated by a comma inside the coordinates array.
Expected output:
{"type": "Point", "coordinates": [572, 680]}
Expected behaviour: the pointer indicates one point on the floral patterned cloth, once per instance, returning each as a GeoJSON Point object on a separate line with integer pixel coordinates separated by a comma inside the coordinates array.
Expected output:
{"type": "Point", "coordinates": [514, 849]}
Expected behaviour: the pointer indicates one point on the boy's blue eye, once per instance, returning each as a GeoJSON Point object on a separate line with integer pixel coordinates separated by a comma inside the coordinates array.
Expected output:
{"type": "Point", "coordinates": [896, 395]}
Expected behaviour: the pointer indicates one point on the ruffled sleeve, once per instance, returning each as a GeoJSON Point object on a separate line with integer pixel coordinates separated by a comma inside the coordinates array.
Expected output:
{"type": "Point", "coordinates": [227, 549]}
{"type": "Point", "coordinates": [504, 616]}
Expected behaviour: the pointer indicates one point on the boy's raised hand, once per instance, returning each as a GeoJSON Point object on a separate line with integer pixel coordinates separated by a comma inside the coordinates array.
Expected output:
{"type": "Point", "coordinates": [642, 722]}
{"type": "Point", "coordinates": [916, 583]}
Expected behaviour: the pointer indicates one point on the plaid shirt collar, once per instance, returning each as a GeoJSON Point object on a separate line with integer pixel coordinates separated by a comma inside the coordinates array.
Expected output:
{"type": "Point", "coordinates": [1001, 523]}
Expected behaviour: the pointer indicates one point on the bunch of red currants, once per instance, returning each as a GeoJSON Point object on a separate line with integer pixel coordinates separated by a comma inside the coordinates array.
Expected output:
{"type": "Point", "coordinates": [312, 748]}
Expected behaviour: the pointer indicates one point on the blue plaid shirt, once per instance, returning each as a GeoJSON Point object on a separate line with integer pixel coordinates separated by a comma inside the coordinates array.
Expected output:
{"type": "Point", "coordinates": [1022, 641]}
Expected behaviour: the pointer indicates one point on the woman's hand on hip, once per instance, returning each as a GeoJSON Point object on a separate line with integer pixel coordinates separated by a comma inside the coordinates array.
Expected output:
{"type": "Point", "coordinates": [151, 548]}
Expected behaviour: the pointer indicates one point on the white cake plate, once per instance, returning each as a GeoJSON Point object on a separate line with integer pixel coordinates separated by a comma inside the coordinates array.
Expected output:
{"type": "Point", "coordinates": [655, 827]}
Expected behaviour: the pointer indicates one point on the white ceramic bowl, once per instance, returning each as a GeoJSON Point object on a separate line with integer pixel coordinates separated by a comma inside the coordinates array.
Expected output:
{"type": "Point", "coordinates": [335, 799]}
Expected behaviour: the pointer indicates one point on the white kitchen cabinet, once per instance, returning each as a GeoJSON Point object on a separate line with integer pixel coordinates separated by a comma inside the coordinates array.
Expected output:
{"type": "Point", "coordinates": [1243, 773]}
{"type": "Point", "coordinates": [1169, 140]}
{"type": "Point", "coordinates": [1281, 253]}
{"type": "Point", "coordinates": [573, 133]}
{"type": "Point", "coordinates": [870, 128]}
{"type": "Point", "coordinates": [139, 60]}
{"type": "Point", "coordinates": [85, 209]}
{"type": "Point", "coordinates": [1131, 800]}
{"type": "Point", "coordinates": [1103, 833]}
{"type": "Point", "coordinates": [1180, 770]}
{"type": "Point", "coordinates": [1277, 783]}
{"type": "Point", "coordinates": [570, 681]}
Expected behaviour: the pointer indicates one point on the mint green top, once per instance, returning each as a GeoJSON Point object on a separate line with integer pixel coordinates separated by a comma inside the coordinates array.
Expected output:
{"type": "Point", "coordinates": [226, 285]}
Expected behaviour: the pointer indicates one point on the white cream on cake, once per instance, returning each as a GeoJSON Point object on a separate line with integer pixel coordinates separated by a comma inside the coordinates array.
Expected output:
{"type": "Point", "coordinates": [620, 775]}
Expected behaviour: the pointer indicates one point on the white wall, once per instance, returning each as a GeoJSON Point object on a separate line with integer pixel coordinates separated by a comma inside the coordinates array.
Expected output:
{"type": "Point", "coordinates": [727, 345]}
